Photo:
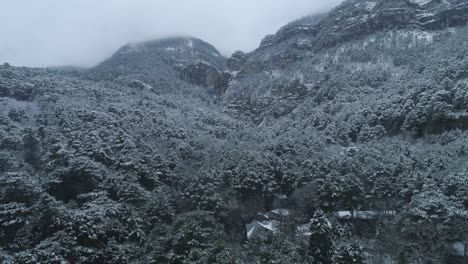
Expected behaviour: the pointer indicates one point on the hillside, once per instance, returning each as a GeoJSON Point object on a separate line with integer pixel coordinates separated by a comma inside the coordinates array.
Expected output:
{"type": "Point", "coordinates": [349, 128]}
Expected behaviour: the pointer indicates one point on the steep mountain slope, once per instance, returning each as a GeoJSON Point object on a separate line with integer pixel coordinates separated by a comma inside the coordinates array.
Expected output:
{"type": "Point", "coordinates": [165, 63]}
{"type": "Point", "coordinates": [291, 70]}
{"type": "Point", "coordinates": [165, 151]}
{"type": "Point", "coordinates": [355, 19]}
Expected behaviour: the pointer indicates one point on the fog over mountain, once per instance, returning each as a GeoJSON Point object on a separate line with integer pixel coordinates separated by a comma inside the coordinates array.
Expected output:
{"type": "Point", "coordinates": [84, 32]}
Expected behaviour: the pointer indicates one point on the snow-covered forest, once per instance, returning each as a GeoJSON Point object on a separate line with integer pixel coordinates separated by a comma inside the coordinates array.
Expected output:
{"type": "Point", "coordinates": [341, 139]}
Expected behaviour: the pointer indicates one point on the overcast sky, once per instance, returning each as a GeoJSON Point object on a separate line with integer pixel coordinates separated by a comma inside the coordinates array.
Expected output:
{"type": "Point", "coordinates": [84, 32]}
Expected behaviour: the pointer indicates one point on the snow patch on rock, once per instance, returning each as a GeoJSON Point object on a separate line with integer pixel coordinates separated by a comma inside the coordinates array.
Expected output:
{"type": "Point", "coordinates": [190, 43]}
{"type": "Point", "coordinates": [420, 2]}
{"type": "Point", "coordinates": [370, 5]}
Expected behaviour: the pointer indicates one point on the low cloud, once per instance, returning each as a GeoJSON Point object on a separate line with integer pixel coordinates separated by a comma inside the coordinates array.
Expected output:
{"type": "Point", "coordinates": [85, 32]}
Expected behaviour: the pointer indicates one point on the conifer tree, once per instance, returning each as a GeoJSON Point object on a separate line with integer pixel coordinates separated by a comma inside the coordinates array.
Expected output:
{"type": "Point", "coordinates": [321, 247]}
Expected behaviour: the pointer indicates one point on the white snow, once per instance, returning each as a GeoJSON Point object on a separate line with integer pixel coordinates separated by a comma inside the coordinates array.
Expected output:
{"type": "Point", "coordinates": [281, 196]}
{"type": "Point", "coordinates": [420, 2]}
{"type": "Point", "coordinates": [190, 43]}
{"type": "Point", "coordinates": [272, 226]}
{"type": "Point", "coordinates": [234, 74]}
{"type": "Point", "coordinates": [268, 225]}
{"type": "Point", "coordinates": [370, 5]}
{"type": "Point", "coordinates": [309, 86]}
{"type": "Point", "coordinates": [304, 42]}
{"type": "Point", "coordinates": [275, 73]}
{"type": "Point", "coordinates": [363, 214]}
{"type": "Point", "coordinates": [427, 36]}
{"type": "Point", "coordinates": [281, 211]}
{"type": "Point", "coordinates": [250, 232]}
{"type": "Point", "coordinates": [459, 249]}
{"type": "Point", "coordinates": [304, 229]}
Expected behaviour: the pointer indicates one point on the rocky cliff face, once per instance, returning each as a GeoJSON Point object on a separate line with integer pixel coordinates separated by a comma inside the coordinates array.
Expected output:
{"type": "Point", "coordinates": [207, 75]}
{"type": "Point", "coordinates": [356, 18]}
{"type": "Point", "coordinates": [356, 38]}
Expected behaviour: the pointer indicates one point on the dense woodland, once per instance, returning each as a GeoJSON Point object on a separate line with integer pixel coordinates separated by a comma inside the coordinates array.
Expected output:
{"type": "Point", "coordinates": [151, 157]}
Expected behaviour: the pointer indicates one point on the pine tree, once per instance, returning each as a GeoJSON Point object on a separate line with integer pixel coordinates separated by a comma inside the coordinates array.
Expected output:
{"type": "Point", "coordinates": [402, 258]}
{"type": "Point", "coordinates": [321, 241]}
{"type": "Point", "coordinates": [32, 148]}
{"type": "Point", "coordinates": [351, 254]}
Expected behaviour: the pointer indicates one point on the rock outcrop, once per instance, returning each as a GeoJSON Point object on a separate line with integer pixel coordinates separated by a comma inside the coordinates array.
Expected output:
{"type": "Point", "coordinates": [236, 61]}
{"type": "Point", "coordinates": [207, 75]}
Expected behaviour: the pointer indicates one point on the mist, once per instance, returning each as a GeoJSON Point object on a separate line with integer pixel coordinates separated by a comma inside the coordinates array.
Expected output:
{"type": "Point", "coordinates": [85, 32]}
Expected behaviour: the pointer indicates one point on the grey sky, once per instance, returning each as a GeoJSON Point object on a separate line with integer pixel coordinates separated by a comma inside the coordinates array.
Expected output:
{"type": "Point", "coordinates": [84, 32]}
